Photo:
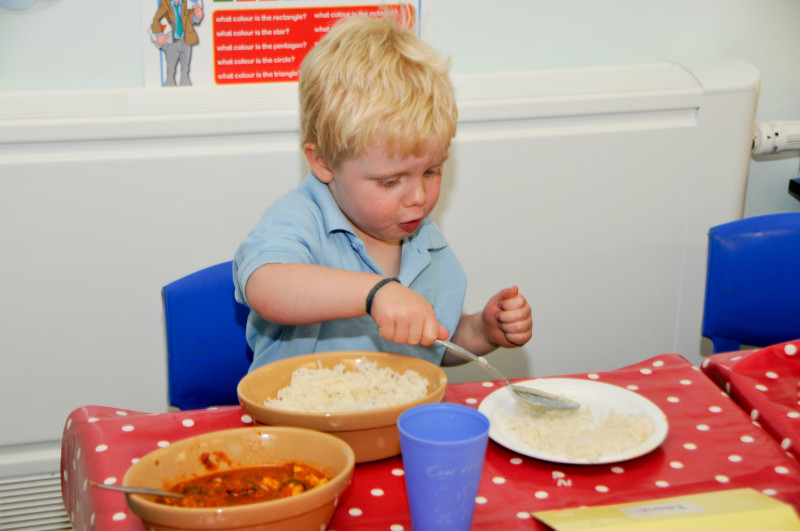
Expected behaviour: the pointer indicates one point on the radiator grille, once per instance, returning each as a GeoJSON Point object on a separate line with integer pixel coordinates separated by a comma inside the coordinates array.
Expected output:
{"type": "Point", "coordinates": [32, 503]}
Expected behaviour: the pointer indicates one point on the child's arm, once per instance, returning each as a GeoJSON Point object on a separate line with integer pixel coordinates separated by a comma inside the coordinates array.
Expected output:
{"type": "Point", "coordinates": [295, 294]}
{"type": "Point", "coordinates": [505, 322]}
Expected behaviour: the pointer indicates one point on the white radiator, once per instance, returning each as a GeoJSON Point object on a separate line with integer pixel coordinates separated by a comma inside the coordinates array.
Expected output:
{"type": "Point", "coordinates": [592, 189]}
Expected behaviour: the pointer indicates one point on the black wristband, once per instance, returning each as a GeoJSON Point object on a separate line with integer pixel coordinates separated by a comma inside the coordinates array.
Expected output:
{"type": "Point", "coordinates": [375, 289]}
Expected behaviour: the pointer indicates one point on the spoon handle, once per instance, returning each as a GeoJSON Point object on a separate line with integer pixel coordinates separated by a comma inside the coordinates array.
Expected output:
{"type": "Point", "coordinates": [469, 356]}
{"type": "Point", "coordinates": [137, 490]}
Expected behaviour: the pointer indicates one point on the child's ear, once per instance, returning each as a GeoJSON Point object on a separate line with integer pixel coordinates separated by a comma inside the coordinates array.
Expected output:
{"type": "Point", "coordinates": [319, 166]}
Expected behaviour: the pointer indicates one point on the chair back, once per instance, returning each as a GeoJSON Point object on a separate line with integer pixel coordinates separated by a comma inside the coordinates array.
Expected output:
{"type": "Point", "coordinates": [207, 352]}
{"type": "Point", "coordinates": [753, 282]}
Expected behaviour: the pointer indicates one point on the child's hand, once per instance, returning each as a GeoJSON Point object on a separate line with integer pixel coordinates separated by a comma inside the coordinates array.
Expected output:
{"type": "Point", "coordinates": [405, 316]}
{"type": "Point", "coordinates": [507, 319]}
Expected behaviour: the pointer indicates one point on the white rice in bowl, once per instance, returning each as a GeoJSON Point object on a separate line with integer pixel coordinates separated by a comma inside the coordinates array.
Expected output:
{"type": "Point", "coordinates": [576, 433]}
{"type": "Point", "coordinates": [338, 390]}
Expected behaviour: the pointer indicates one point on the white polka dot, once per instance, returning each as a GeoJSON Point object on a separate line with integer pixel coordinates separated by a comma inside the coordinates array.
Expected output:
{"type": "Point", "coordinates": [246, 419]}
{"type": "Point", "coordinates": [523, 515]}
{"type": "Point", "coordinates": [601, 488]}
{"type": "Point", "coordinates": [134, 460]}
{"type": "Point", "coordinates": [673, 399]}
{"type": "Point", "coordinates": [118, 517]}
{"type": "Point", "coordinates": [471, 400]}
{"type": "Point", "coordinates": [790, 349]}
{"type": "Point", "coordinates": [355, 511]}
{"type": "Point", "coordinates": [769, 492]}
{"type": "Point", "coordinates": [786, 443]}
{"type": "Point", "coordinates": [515, 461]}
{"type": "Point", "coordinates": [398, 472]}
{"type": "Point", "coordinates": [541, 494]}
{"type": "Point", "coordinates": [733, 458]}
{"type": "Point", "coordinates": [781, 470]}
{"type": "Point", "coordinates": [376, 492]}
{"type": "Point", "coordinates": [91, 519]}
{"type": "Point", "coordinates": [727, 387]}
{"type": "Point", "coordinates": [686, 382]}
{"type": "Point", "coordinates": [480, 500]}
{"type": "Point", "coordinates": [761, 387]}
{"type": "Point", "coordinates": [705, 362]}
{"type": "Point", "coordinates": [593, 376]}
{"type": "Point", "coordinates": [66, 477]}
{"type": "Point", "coordinates": [109, 480]}
{"type": "Point", "coordinates": [162, 444]}
{"type": "Point", "coordinates": [661, 483]}
{"type": "Point", "coordinates": [101, 448]}
{"type": "Point", "coordinates": [487, 384]}
{"type": "Point", "coordinates": [746, 439]}
{"type": "Point", "coordinates": [702, 427]}
{"type": "Point", "coordinates": [498, 480]}
{"type": "Point", "coordinates": [396, 527]}
{"type": "Point", "coordinates": [658, 363]}
{"type": "Point", "coordinates": [187, 423]}
{"type": "Point", "coordinates": [722, 479]}
{"type": "Point", "coordinates": [771, 375]}
{"type": "Point", "coordinates": [676, 464]}
{"type": "Point", "coordinates": [690, 446]}
{"type": "Point", "coordinates": [754, 414]}
{"type": "Point", "coordinates": [632, 387]}
{"type": "Point", "coordinates": [617, 470]}
{"type": "Point", "coordinates": [646, 371]}
{"type": "Point", "coordinates": [793, 415]}
{"type": "Point", "coordinates": [122, 413]}
{"type": "Point", "coordinates": [69, 422]}
{"type": "Point", "coordinates": [715, 409]}
{"type": "Point", "coordinates": [127, 427]}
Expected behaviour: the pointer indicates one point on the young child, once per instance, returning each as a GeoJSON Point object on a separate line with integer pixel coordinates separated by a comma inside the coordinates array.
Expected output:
{"type": "Point", "coordinates": [350, 260]}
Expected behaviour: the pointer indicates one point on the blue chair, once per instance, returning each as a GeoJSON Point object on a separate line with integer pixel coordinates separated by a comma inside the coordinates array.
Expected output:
{"type": "Point", "coordinates": [753, 282]}
{"type": "Point", "coordinates": [207, 353]}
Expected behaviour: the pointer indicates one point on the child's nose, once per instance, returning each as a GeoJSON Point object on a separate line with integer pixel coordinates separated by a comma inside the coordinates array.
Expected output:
{"type": "Point", "coordinates": [416, 194]}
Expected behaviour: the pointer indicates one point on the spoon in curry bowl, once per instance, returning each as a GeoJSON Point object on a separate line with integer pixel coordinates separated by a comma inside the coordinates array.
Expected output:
{"type": "Point", "coordinates": [138, 490]}
{"type": "Point", "coordinates": [527, 394]}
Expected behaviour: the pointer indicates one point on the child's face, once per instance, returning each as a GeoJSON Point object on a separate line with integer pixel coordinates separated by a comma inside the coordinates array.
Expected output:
{"type": "Point", "coordinates": [384, 197]}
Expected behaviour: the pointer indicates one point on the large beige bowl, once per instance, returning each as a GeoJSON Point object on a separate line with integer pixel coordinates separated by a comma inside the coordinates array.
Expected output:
{"type": "Point", "coordinates": [261, 445]}
{"type": "Point", "coordinates": [373, 433]}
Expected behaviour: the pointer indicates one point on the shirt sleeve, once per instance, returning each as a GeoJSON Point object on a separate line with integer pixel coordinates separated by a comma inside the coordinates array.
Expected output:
{"type": "Point", "coordinates": [289, 232]}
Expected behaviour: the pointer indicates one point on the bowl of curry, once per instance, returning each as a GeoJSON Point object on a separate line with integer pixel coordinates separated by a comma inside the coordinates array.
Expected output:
{"type": "Point", "coordinates": [266, 478]}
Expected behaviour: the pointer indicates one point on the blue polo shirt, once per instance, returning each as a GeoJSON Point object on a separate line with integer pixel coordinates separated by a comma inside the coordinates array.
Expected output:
{"type": "Point", "coordinates": [306, 226]}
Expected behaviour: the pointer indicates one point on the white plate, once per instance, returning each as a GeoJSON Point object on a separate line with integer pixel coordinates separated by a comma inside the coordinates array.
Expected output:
{"type": "Point", "coordinates": [600, 397]}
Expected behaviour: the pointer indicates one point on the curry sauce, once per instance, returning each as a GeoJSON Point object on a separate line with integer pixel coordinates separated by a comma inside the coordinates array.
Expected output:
{"type": "Point", "coordinates": [239, 486]}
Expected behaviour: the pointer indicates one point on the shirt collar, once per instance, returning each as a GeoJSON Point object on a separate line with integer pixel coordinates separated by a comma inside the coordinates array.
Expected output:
{"type": "Point", "coordinates": [334, 220]}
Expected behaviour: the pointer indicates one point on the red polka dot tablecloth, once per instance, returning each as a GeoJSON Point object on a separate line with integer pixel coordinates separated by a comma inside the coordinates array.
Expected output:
{"type": "Point", "coordinates": [712, 444]}
{"type": "Point", "coordinates": [766, 384]}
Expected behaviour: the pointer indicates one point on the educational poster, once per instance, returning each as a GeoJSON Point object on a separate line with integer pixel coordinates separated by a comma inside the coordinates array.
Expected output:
{"type": "Point", "coordinates": [229, 42]}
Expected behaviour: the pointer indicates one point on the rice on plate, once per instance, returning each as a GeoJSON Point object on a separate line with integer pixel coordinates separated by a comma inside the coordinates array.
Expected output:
{"type": "Point", "coordinates": [576, 433]}
{"type": "Point", "coordinates": [613, 423]}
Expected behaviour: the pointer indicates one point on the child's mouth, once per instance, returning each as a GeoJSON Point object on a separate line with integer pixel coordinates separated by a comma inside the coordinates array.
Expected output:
{"type": "Point", "coordinates": [410, 226]}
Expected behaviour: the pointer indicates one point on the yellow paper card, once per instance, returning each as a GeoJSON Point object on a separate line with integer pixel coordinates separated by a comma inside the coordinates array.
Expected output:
{"type": "Point", "coordinates": [731, 510]}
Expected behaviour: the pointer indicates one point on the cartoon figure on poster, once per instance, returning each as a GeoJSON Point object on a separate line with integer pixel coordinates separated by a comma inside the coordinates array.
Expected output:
{"type": "Point", "coordinates": [173, 32]}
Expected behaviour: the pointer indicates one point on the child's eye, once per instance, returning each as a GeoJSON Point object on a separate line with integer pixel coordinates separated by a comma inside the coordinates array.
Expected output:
{"type": "Point", "coordinates": [388, 183]}
{"type": "Point", "coordinates": [433, 172]}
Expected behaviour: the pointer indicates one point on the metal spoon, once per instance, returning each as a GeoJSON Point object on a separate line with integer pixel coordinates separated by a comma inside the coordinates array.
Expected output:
{"type": "Point", "coordinates": [527, 394]}
{"type": "Point", "coordinates": [138, 490]}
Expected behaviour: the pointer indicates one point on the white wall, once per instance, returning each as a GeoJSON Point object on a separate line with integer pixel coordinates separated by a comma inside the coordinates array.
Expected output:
{"type": "Point", "coordinates": [75, 47]}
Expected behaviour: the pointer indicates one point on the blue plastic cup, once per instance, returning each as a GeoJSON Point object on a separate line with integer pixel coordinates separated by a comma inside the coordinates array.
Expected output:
{"type": "Point", "coordinates": [443, 447]}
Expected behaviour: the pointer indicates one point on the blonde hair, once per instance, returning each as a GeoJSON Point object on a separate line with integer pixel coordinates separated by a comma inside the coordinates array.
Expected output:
{"type": "Point", "coordinates": [373, 80]}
